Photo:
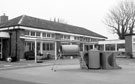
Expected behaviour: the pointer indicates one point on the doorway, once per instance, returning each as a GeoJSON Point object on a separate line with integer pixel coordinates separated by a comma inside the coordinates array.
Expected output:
{"type": "Point", "coordinates": [1, 57]}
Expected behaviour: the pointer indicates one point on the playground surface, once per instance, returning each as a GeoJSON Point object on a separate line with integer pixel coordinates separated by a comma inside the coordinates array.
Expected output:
{"type": "Point", "coordinates": [69, 73]}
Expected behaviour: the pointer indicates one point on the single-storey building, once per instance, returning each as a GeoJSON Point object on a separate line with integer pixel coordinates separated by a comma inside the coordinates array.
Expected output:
{"type": "Point", "coordinates": [112, 45]}
{"type": "Point", "coordinates": [26, 33]}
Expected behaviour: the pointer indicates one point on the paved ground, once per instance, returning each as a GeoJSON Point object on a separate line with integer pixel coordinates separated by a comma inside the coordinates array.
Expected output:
{"type": "Point", "coordinates": [31, 63]}
{"type": "Point", "coordinates": [70, 73]}
{"type": "Point", "coordinates": [11, 81]}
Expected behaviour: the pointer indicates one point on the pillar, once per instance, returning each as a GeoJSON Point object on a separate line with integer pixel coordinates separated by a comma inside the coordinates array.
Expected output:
{"type": "Point", "coordinates": [41, 47]}
{"type": "Point", "coordinates": [55, 50]}
{"type": "Point", "coordinates": [35, 50]}
{"type": "Point", "coordinates": [93, 46]}
{"type": "Point", "coordinates": [115, 47]}
{"type": "Point", "coordinates": [104, 47]}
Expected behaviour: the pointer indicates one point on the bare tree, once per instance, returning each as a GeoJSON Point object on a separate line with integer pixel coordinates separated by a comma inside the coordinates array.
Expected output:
{"type": "Point", "coordinates": [121, 19]}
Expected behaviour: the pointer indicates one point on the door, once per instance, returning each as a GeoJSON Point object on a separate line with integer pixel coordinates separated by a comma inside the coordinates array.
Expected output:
{"type": "Point", "coordinates": [1, 48]}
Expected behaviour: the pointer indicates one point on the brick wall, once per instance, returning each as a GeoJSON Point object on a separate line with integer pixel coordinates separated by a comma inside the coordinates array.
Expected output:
{"type": "Point", "coordinates": [17, 45]}
{"type": "Point", "coordinates": [21, 45]}
{"type": "Point", "coordinates": [128, 44]}
{"type": "Point", "coordinates": [5, 50]}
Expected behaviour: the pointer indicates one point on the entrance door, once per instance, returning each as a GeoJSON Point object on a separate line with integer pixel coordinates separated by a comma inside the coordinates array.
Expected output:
{"type": "Point", "coordinates": [0, 48]}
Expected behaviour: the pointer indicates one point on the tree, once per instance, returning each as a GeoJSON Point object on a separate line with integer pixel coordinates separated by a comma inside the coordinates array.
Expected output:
{"type": "Point", "coordinates": [121, 19]}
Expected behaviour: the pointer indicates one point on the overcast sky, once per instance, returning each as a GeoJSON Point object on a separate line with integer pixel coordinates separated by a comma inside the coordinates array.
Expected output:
{"type": "Point", "coordinates": [84, 13]}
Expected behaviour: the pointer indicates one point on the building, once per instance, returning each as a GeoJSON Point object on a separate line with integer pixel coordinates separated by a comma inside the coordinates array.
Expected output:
{"type": "Point", "coordinates": [112, 45]}
{"type": "Point", "coordinates": [125, 47]}
{"type": "Point", "coordinates": [26, 33]}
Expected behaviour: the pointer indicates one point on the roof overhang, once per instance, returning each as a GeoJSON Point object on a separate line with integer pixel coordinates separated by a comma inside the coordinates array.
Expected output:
{"type": "Point", "coordinates": [112, 42]}
{"type": "Point", "coordinates": [51, 31]}
{"type": "Point", "coordinates": [4, 35]}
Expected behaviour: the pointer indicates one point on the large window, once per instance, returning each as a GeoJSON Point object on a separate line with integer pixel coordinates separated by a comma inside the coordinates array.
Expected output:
{"type": "Point", "coordinates": [101, 47]}
{"type": "Point", "coordinates": [48, 46]}
{"type": "Point", "coordinates": [120, 47]}
{"type": "Point", "coordinates": [77, 38]}
{"type": "Point", "coordinates": [48, 35]}
{"type": "Point", "coordinates": [65, 37]}
{"type": "Point", "coordinates": [29, 45]}
{"type": "Point", "coordinates": [110, 47]}
{"type": "Point", "coordinates": [44, 34]}
{"type": "Point", "coordinates": [33, 33]}
{"type": "Point", "coordinates": [38, 34]}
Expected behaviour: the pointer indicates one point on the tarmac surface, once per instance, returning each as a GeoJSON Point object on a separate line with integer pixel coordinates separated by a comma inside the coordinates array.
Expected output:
{"type": "Point", "coordinates": [69, 72]}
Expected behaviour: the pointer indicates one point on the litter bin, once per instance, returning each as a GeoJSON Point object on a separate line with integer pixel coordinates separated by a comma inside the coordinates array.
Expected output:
{"type": "Point", "coordinates": [94, 59]}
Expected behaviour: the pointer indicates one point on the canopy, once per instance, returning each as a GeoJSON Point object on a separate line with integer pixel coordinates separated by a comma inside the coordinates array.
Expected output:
{"type": "Point", "coordinates": [4, 35]}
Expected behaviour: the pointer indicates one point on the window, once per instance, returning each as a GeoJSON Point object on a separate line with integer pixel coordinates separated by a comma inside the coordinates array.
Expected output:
{"type": "Point", "coordinates": [91, 46]}
{"type": "Point", "coordinates": [38, 46]}
{"type": "Point", "coordinates": [51, 46]}
{"type": "Point", "coordinates": [77, 38]}
{"type": "Point", "coordinates": [52, 35]}
{"type": "Point", "coordinates": [48, 35]}
{"type": "Point", "coordinates": [38, 34]}
{"type": "Point", "coordinates": [110, 47]}
{"type": "Point", "coordinates": [86, 47]}
{"type": "Point", "coordinates": [120, 46]}
{"type": "Point", "coordinates": [84, 39]}
{"type": "Point", "coordinates": [48, 46]}
{"type": "Point", "coordinates": [92, 39]}
{"type": "Point", "coordinates": [33, 33]}
{"type": "Point", "coordinates": [30, 45]}
{"type": "Point", "coordinates": [44, 34]}
{"type": "Point", "coordinates": [101, 47]}
{"type": "Point", "coordinates": [66, 37]}
{"type": "Point", "coordinates": [44, 46]}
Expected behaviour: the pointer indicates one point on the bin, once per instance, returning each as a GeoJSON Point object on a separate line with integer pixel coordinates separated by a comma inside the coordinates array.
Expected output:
{"type": "Point", "coordinates": [94, 59]}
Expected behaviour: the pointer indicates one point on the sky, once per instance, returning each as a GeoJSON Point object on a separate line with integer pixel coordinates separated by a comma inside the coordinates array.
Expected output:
{"type": "Point", "coordinates": [89, 14]}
